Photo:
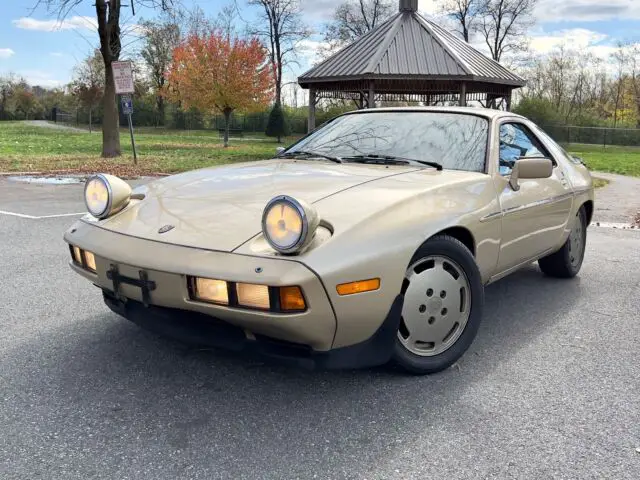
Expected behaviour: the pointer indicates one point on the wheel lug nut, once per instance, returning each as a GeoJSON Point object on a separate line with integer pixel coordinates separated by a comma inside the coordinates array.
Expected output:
{"type": "Point", "coordinates": [422, 308]}
{"type": "Point", "coordinates": [429, 292]}
{"type": "Point", "coordinates": [431, 320]}
{"type": "Point", "coordinates": [443, 311]}
{"type": "Point", "coordinates": [443, 294]}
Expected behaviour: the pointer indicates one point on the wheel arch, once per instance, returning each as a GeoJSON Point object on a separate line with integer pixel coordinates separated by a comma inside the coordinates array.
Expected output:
{"type": "Point", "coordinates": [462, 234]}
{"type": "Point", "coordinates": [588, 209]}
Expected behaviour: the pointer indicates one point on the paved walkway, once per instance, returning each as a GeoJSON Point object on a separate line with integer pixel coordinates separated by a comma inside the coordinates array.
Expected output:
{"type": "Point", "coordinates": [618, 202]}
{"type": "Point", "coordinates": [56, 126]}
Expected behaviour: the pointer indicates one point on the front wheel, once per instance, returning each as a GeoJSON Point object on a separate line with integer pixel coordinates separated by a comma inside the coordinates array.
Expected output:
{"type": "Point", "coordinates": [566, 262]}
{"type": "Point", "coordinates": [442, 309]}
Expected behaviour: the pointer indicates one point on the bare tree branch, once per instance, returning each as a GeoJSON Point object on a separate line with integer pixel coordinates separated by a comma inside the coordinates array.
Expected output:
{"type": "Point", "coordinates": [285, 28]}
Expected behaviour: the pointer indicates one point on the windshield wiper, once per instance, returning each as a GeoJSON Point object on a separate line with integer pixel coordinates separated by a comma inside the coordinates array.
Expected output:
{"type": "Point", "coordinates": [389, 159]}
{"type": "Point", "coordinates": [308, 153]}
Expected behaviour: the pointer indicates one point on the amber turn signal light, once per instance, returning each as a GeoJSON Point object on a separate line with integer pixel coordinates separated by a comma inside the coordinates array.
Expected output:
{"type": "Point", "coordinates": [291, 299]}
{"type": "Point", "coordinates": [360, 286]}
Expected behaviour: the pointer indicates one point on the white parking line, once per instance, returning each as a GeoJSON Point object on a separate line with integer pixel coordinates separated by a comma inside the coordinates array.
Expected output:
{"type": "Point", "coordinates": [62, 215]}
{"type": "Point", "coordinates": [21, 215]}
{"type": "Point", "coordinates": [32, 217]}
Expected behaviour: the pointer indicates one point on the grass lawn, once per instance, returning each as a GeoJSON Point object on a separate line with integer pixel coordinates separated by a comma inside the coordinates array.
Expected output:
{"type": "Point", "coordinates": [622, 160]}
{"type": "Point", "coordinates": [25, 148]}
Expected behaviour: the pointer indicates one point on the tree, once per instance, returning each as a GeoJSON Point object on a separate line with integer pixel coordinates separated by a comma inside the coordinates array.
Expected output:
{"type": "Point", "coordinates": [620, 56]}
{"type": "Point", "coordinates": [109, 33]}
{"type": "Point", "coordinates": [7, 87]}
{"type": "Point", "coordinates": [277, 125]}
{"type": "Point", "coordinates": [282, 29]}
{"type": "Point", "coordinates": [354, 18]}
{"type": "Point", "coordinates": [88, 84]}
{"type": "Point", "coordinates": [634, 55]}
{"type": "Point", "coordinates": [503, 25]}
{"type": "Point", "coordinates": [25, 102]}
{"type": "Point", "coordinates": [160, 39]}
{"type": "Point", "coordinates": [465, 13]}
{"type": "Point", "coordinates": [220, 72]}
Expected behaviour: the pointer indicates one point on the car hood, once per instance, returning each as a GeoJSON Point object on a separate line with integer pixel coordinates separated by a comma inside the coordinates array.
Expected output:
{"type": "Point", "coordinates": [221, 208]}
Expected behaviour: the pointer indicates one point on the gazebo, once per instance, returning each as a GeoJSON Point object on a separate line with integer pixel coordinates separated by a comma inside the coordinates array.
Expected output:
{"type": "Point", "coordinates": [408, 58]}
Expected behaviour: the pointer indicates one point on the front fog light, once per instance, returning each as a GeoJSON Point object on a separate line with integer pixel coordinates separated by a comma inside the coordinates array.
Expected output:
{"type": "Point", "coordinates": [90, 261]}
{"type": "Point", "coordinates": [77, 255]}
{"type": "Point", "coordinates": [210, 290]}
{"type": "Point", "coordinates": [254, 296]}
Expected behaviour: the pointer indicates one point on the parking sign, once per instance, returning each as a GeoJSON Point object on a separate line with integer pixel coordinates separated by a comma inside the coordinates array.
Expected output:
{"type": "Point", "coordinates": [123, 75]}
{"type": "Point", "coordinates": [127, 104]}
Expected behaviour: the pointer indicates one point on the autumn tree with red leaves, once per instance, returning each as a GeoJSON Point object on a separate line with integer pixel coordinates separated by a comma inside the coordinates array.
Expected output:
{"type": "Point", "coordinates": [217, 72]}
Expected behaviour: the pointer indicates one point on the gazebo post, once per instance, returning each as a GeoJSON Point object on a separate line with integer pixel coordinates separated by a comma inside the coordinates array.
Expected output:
{"type": "Point", "coordinates": [371, 101]}
{"type": "Point", "coordinates": [361, 105]}
{"type": "Point", "coordinates": [312, 110]}
{"type": "Point", "coordinates": [463, 94]}
{"type": "Point", "coordinates": [508, 100]}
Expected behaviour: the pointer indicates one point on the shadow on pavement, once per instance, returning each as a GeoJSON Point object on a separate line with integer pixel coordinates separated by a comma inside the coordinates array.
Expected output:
{"type": "Point", "coordinates": [114, 384]}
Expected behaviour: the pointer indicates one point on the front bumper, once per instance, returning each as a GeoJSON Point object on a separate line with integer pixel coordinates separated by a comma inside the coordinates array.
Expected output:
{"type": "Point", "coordinates": [168, 266]}
{"type": "Point", "coordinates": [203, 330]}
{"type": "Point", "coordinates": [306, 338]}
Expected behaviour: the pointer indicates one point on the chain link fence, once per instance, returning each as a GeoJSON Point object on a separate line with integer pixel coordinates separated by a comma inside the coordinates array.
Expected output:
{"type": "Point", "coordinates": [256, 123]}
{"type": "Point", "coordinates": [594, 135]}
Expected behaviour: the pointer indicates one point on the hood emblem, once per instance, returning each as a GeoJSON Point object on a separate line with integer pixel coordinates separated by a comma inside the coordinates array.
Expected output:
{"type": "Point", "coordinates": [165, 229]}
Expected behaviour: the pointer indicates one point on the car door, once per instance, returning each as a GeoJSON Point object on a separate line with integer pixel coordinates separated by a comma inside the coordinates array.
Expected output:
{"type": "Point", "coordinates": [535, 216]}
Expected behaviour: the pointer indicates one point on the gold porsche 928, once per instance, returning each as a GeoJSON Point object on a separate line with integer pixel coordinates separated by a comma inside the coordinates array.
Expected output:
{"type": "Point", "coordinates": [369, 240]}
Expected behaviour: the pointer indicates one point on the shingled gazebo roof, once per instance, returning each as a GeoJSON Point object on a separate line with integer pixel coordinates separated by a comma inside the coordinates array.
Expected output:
{"type": "Point", "coordinates": [410, 46]}
{"type": "Point", "coordinates": [408, 58]}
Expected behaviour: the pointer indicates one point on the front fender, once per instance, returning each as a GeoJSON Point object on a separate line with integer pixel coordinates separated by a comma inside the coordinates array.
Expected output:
{"type": "Point", "coordinates": [377, 227]}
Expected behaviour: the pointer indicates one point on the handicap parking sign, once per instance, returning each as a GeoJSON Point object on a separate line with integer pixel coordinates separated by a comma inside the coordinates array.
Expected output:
{"type": "Point", "coordinates": [127, 104]}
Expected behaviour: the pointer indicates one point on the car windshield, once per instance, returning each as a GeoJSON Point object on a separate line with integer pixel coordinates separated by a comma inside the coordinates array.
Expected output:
{"type": "Point", "coordinates": [456, 141]}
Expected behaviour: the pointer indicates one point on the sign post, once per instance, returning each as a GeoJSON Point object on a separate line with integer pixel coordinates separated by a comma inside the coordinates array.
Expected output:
{"type": "Point", "coordinates": [123, 76]}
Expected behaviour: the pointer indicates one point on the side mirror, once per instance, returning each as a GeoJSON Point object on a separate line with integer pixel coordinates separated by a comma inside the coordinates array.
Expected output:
{"type": "Point", "coordinates": [279, 150]}
{"type": "Point", "coordinates": [530, 168]}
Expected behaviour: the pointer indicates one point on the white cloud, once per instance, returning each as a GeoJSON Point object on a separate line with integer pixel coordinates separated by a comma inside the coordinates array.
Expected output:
{"type": "Point", "coordinates": [40, 78]}
{"type": "Point", "coordinates": [586, 10]}
{"type": "Point", "coordinates": [320, 11]}
{"type": "Point", "coordinates": [572, 39]}
{"type": "Point", "coordinates": [429, 7]}
{"type": "Point", "coordinates": [6, 53]}
{"type": "Point", "coordinates": [72, 23]}
{"type": "Point", "coordinates": [578, 41]}
{"type": "Point", "coordinates": [310, 50]}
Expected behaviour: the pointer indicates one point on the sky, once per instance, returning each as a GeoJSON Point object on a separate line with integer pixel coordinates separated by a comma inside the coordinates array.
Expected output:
{"type": "Point", "coordinates": [36, 45]}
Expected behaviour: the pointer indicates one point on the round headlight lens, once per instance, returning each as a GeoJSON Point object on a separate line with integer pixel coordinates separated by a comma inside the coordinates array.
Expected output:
{"type": "Point", "coordinates": [284, 224]}
{"type": "Point", "coordinates": [97, 196]}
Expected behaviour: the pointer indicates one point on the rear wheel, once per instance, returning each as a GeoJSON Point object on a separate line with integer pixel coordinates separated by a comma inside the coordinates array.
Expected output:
{"type": "Point", "coordinates": [442, 309]}
{"type": "Point", "coordinates": [566, 262]}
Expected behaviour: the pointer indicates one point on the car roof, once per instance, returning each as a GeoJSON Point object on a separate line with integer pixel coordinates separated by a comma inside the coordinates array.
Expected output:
{"type": "Point", "coordinates": [479, 111]}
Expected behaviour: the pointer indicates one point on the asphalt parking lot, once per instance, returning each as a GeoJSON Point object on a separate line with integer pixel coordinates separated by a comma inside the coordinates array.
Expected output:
{"type": "Point", "coordinates": [549, 389]}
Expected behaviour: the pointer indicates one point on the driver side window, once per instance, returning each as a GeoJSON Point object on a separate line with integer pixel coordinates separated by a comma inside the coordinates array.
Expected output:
{"type": "Point", "coordinates": [516, 141]}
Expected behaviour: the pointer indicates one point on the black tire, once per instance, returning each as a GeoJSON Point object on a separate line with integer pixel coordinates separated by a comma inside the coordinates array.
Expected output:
{"type": "Point", "coordinates": [444, 245]}
{"type": "Point", "coordinates": [559, 264]}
